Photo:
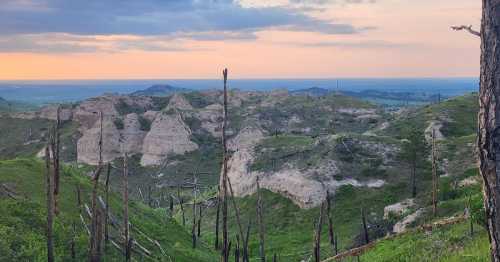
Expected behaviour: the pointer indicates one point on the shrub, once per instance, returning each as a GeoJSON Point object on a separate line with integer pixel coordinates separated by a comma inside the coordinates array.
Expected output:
{"type": "Point", "coordinates": [119, 124]}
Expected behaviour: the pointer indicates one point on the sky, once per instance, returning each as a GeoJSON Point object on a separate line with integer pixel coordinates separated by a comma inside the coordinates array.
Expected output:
{"type": "Point", "coordinates": [148, 39]}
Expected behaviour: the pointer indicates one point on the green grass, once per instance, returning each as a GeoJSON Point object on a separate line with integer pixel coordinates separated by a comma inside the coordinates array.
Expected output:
{"type": "Point", "coordinates": [449, 243]}
{"type": "Point", "coordinates": [458, 115]}
{"type": "Point", "coordinates": [22, 224]}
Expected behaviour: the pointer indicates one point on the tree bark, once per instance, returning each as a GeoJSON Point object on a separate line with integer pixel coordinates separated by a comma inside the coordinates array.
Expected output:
{"type": "Point", "coordinates": [260, 222]}
{"type": "Point", "coordinates": [50, 206]}
{"type": "Point", "coordinates": [217, 219]}
{"type": "Point", "coordinates": [225, 236]}
{"type": "Point", "coordinates": [106, 215]}
{"type": "Point", "coordinates": [330, 220]}
{"type": "Point", "coordinates": [435, 178]}
{"type": "Point", "coordinates": [365, 226]}
{"type": "Point", "coordinates": [127, 243]}
{"type": "Point", "coordinates": [488, 120]}
{"type": "Point", "coordinates": [317, 235]}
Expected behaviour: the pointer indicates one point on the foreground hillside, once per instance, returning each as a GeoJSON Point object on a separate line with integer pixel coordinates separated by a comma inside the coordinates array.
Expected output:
{"type": "Point", "coordinates": [23, 220]}
{"type": "Point", "coordinates": [299, 146]}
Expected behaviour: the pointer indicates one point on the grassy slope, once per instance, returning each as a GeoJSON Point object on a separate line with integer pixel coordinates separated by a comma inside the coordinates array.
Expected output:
{"type": "Point", "coordinates": [22, 222]}
{"type": "Point", "coordinates": [458, 114]}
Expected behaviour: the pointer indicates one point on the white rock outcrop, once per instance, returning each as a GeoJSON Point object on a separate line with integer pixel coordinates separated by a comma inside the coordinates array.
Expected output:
{"type": "Point", "coordinates": [88, 144]}
{"type": "Point", "coordinates": [399, 208]}
{"type": "Point", "coordinates": [168, 135]}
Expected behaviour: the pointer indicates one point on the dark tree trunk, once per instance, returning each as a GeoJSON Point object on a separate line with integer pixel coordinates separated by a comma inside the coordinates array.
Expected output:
{"type": "Point", "coordinates": [217, 219]}
{"type": "Point", "coordinates": [127, 241]}
{"type": "Point", "coordinates": [245, 243]}
{"type": "Point", "coordinates": [317, 235]}
{"type": "Point", "coordinates": [414, 178]}
{"type": "Point", "coordinates": [200, 216]}
{"type": "Point", "coordinates": [55, 156]}
{"type": "Point", "coordinates": [225, 236]}
{"type": "Point", "coordinates": [435, 178]}
{"type": "Point", "coordinates": [331, 234]}
{"type": "Point", "coordinates": [106, 215]}
{"type": "Point", "coordinates": [260, 222]}
{"type": "Point", "coordinates": [50, 206]}
{"type": "Point", "coordinates": [365, 226]}
{"type": "Point", "coordinates": [489, 120]}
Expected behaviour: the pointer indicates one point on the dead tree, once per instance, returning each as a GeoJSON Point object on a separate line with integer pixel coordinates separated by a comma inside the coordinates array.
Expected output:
{"type": "Point", "coordinates": [237, 249]}
{"type": "Point", "coordinates": [106, 215]}
{"type": "Point", "coordinates": [50, 205]}
{"type": "Point", "coordinates": [247, 238]}
{"type": "Point", "coordinates": [435, 179]}
{"type": "Point", "coordinates": [127, 243]}
{"type": "Point", "coordinates": [56, 145]}
{"type": "Point", "coordinates": [200, 215]}
{"type": "Point", "coordinates": [217, 219]}
{"type": "Point", "coordinates": [225, 236]}
{"type": "Point", "coordinates": [237, 211]}
{"type": "Point", "coordinates": [73, 243]}
{"type": "Point", "coordinates": [193, 229]}
{"type": "Point", "coordinates": [488, 120]}
{"type": "Point", "coordinates": [181, 204]}
{"type": "Point", "coordinates": [365, 226]}
{"type": "Point", "coordinates": [95, 237]}
{"type": "Point", "coordinates": [330, 220]}
{"type": "Point", "coordinates": [317, 235]}
{"type": "Point", "coordinates": [260, 222]}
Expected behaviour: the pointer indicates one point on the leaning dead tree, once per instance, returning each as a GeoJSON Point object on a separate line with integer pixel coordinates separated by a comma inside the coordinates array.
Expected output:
{"type": "Point", "coordinates": [96, 221]}
{"type": "Point", "coordinates": [488, 141]}
{"type": "Point", "coordinates": [223, 197]}
{"type": "Point", "coordinates": [435, 178]}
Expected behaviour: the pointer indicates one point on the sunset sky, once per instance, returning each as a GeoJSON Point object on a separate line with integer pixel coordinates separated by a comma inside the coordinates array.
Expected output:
{"type": "Point", "coordinates": [125, 39]}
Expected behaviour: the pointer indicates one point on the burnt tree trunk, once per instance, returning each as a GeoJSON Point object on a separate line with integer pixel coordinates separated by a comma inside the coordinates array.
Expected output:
{"type": "Point", "coordinates": [435, 179]}
{"type": "Point", "coordinates": [365, 226]}
{"type": "Point", "coordinates": [331, 234]}
{"type": "Point", "coordinates": [50, 206]}
{"type": "Point", "coordinates": [260, 222]}
{"type": "Point", "coordinates": [489, 120]}
{"type": "Point", "coordinates": [181, 204]}
{"type": "Point", "coordinates": [106, 215]}
{"type": "Point", "coordinates": [55, 155]}
{"type": "Point", "coordinates": [127, 243]}
{"type": "Point", "coordinates": [95, 238]}
{"type": "Point", "coordinates": [225, 236]}
{"type": "Point", "coordinates": [317, 235]}
{"type": "Point", "coordinates": [217, 219]}
{"type": "Point", "coordinates": [414, 177]}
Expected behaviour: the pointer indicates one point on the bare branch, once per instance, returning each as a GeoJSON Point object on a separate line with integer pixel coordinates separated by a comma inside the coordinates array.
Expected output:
{"type": "Point", "coordinates": [467, 28]}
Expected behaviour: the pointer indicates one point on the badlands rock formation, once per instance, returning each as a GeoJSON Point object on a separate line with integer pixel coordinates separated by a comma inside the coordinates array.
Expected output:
{"type": "Point", "coordinates": [306, 188]}
{"type": "Point", "coordinates": [168, 135]}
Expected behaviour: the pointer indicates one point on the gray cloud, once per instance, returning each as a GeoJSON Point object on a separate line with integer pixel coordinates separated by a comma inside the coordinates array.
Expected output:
{"type": "Point", "coordinates": [153, 17]}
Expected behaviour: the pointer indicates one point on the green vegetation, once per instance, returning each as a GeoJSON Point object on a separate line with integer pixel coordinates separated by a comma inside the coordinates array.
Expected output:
{"type": "Point", "coordinates": [22, 224]}
{"type": "Point", "coordinates": [144, 123]}
{"type": "Point", "coordinates": [458, 116]}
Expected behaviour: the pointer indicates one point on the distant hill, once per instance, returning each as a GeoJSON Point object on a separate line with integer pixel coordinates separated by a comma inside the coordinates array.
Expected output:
{"type": "Point", "coordinates": [160, 90]}
{"type": "Point", "coordinates": [313, 91]}
{"type": "Point", "coordinates": [11, 106]}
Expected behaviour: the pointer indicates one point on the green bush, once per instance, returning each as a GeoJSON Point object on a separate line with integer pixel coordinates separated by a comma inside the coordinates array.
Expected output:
{"type": "Point", "coordinates": [145, 124]}
{"type": "Point", "coordinates": [119, 124]}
